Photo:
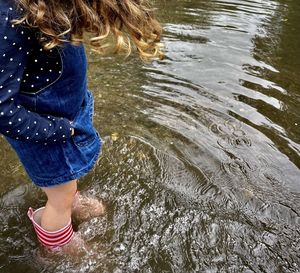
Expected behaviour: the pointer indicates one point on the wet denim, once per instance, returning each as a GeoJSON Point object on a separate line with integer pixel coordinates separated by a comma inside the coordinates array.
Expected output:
{"type": "Point", "coordinates": [40, 93]}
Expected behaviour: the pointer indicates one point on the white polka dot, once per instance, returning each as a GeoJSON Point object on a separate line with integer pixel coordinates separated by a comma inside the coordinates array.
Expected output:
{"type": "Point", "coordinates": [19, 119]}
{"type": "Point", "coordinates": [34, 122]}
{"type": "Point", "coordinates": [5, 37]}
{"type": "Point", "coordinates": [11, 59]}
{"type": "Point", "coordinates": [10, 122]}
{"type": "Point", "coordinates": [27, 127]}
{"type": "Point", "coordinates": [27, 137]}
{"type": "Point", "coordinates": [60, 127]}
{"type": "Point", "coordinates": [9, 91]}
{"type": "Point", "coordinates": [18, 131]}
{"type": "Point", "coordinates": [36, 133]}
{"type": "Point", "coordinates": [2, 113]}
{"type": "Point", "coordinates": [4, 55]}
{"type": "Point", "coordinates": [45, 129]}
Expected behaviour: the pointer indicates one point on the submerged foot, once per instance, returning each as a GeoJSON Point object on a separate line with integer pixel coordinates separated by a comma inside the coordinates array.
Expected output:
{"type": "Point", "coordinates": [76, 247]}
{"type": "Point", "coordinates": [86, 208]}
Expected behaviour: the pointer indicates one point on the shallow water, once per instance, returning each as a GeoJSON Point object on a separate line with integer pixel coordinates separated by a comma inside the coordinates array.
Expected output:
{"type": "Point", "coordinates": [200, 168]}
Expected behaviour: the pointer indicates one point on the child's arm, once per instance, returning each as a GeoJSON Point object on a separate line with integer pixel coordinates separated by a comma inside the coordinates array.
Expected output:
{"type": "Point", "coordinates": [16, 121]}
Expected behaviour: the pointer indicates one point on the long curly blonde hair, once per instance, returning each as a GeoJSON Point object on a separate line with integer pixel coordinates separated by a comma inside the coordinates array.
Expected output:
{"type": "Point", "coordinates": [127, 20]}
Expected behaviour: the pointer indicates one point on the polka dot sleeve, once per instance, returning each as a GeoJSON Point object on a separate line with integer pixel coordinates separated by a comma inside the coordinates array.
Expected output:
{"type": "Point", "coordinates": [15, 120]}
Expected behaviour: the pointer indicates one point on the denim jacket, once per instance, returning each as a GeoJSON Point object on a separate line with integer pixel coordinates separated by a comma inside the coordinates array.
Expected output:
{"type": "Point", "coordinates": [26, 68]}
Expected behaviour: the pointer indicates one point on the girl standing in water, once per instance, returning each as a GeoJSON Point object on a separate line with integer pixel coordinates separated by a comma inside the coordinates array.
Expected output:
{"type": "Point", "coordinates": [46, 108]}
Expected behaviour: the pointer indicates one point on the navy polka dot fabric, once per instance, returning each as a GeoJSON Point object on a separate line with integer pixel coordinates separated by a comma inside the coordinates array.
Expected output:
{"type": "Point", "coordinates": [21, 71]}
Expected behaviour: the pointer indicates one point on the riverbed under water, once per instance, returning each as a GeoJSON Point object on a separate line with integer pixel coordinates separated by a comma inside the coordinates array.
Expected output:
{"type": "Point", "coordinates": [200, 168]}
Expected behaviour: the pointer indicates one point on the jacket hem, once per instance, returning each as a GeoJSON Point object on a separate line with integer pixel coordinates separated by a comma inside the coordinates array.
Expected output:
{"type": "Point", "coordinates": [49, 182]}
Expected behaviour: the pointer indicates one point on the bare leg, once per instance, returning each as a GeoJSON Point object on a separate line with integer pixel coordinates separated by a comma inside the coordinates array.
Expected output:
{"type": "Point", "coordinates": [57, 212]}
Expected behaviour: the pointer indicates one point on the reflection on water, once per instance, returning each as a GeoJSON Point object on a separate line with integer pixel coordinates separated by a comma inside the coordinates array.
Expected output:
{"type": "Point", "coordinates": [200, 163]}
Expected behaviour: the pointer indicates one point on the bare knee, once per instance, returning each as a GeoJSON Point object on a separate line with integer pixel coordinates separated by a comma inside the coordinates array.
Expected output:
{"type": "Point", "coordinates": [61, 196]}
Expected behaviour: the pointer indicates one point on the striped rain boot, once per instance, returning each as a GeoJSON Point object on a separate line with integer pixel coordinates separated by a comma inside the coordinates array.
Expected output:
{"type": "Point", "coordinates": [51, 240]}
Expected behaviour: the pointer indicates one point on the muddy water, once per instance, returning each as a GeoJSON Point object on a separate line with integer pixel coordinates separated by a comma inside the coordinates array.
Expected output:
{"type": "Point", "coordinates": [201, 154]}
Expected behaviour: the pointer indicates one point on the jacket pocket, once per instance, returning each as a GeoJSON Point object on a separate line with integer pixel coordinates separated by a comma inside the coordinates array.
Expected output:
{"type": "Point", "coordinates": [85, 132]}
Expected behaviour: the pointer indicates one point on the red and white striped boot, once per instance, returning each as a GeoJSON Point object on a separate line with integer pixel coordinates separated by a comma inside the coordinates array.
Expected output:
{"type": "Point", "coordinates": [51, 240]}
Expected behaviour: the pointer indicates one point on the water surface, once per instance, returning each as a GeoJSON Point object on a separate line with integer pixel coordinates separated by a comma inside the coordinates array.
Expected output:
{"type": "Point", "coordinates": [201, 154]}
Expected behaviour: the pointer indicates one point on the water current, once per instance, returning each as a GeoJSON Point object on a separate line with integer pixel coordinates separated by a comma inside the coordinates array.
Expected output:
{"type": "Point", "coordinates": [200, 168]}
